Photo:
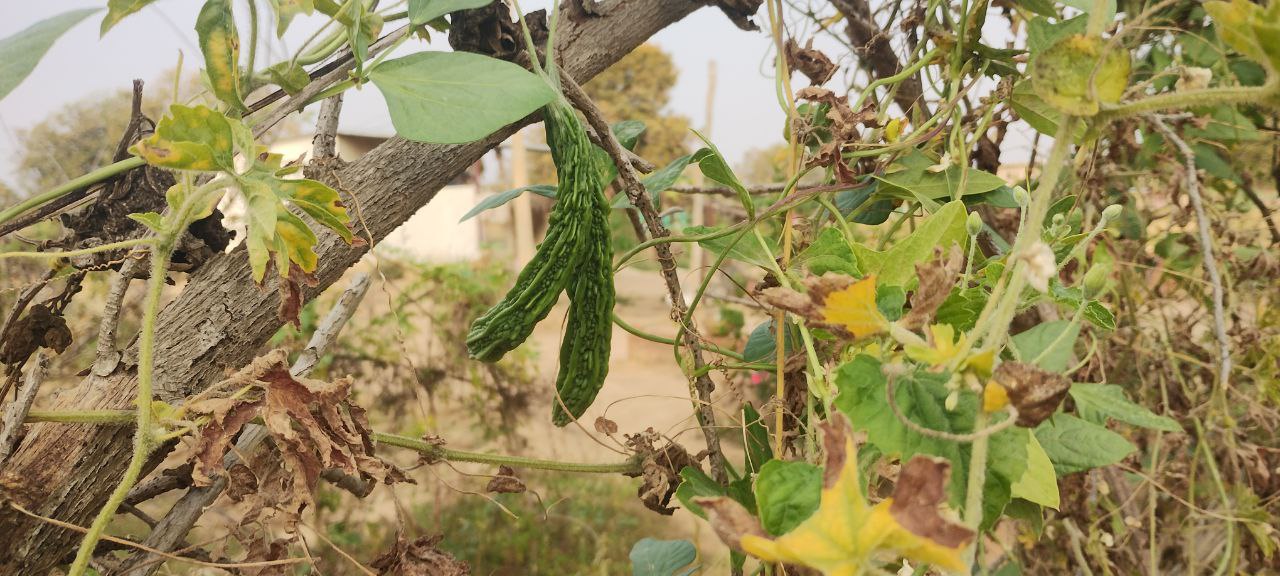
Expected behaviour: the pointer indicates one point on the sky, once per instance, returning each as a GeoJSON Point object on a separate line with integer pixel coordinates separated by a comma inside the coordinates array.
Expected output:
{"type": "Point", "coordinates": [746, 110]}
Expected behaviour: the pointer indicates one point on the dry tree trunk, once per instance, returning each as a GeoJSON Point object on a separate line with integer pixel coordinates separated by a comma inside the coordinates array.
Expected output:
{"type": "Point", "coordinates": [220, 320]}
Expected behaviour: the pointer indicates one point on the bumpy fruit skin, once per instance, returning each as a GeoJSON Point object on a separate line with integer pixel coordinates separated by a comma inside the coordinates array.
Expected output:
{"type": "Point", "coordinates": [575, 256]}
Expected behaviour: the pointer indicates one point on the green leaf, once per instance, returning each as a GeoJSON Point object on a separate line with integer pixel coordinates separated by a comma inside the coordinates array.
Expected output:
{"type": "Point", "coordinates": [961, 308]}
{"type": "Point", "coordinates": [1075, 445]}
{"type": "Point", "coordinates": [20, 52]}
{"type": "Point", "coordinates": [1038, 113]}
{"type": "Point", "coordinates": [544, 190]}
{"type": "Point", "coordinates": [762, 346]}
{"type": "Point", "coordinates": [289, 76]}
{"type": "Point", "coordinates": [918, 178]}
{"type": "Point", "coordinates": [220, 44]}
{"type": "Point", "coordinates": [1048, 345]}
{"type": "Point", "coordinates": [890, 300]}
{"type": "Point", "coordinates": [714, 166]}
{"type": "Point", "coordinates": [829, 252]}
{"type": "Point", "coordinates": [1238, 23]}
{"type": "Point", "coordinates": [1041, 33]}
{"type": "Point", "coordinates": [1087, 6]}
{"type": "Point", "coordinates": [896, 266]}
{"type": "Point", "coordinates": [745, 250]}
{"type": "Point", "coordinates": [287, 9]}
{"type": "Point", "coordinates": [665, 177]}
{"type": "Point", "coordinates": [1079, 73]}
{"type": "Point", "coordinates": [190, 138]}
{"type": "Point", "coordinates": [1038, 483]}
{"type": "Point", "coordinates": [787, 493]}
{"type": "Point", "coordinates": [628, 132]}
{"type": "Point", "coordinates": [650, 557]}
{"type": "Point", "coordinates": [117, 10]}
{"type": "Point", "coordinates": [273, 229]}
{"type": "Point", "coordinates": [921, 398]}
{"type": "Point", "coordinates": [696, 484]}
{"type": "Point", "coordinates": [151, 220]}
{"type": "Point", "coordinates": [1097, 402]}
{"type": "Point", "coordinates": [757, 439]}
{"type": "Point", "coordinates": [1099, 315]}
{"type": "Point", "coordinates": [455, 97]}
{"type": "Point", "coordinates": [423, 11]}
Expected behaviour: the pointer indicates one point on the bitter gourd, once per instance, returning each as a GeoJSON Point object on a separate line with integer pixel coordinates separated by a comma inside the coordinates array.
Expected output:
{"type": "Point", "coordinates": [576, 255]}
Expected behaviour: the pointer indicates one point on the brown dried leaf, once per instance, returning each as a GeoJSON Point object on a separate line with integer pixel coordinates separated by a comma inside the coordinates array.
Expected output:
{"type": "Point", "coordinates": [505, 482]}
{"type": "Point", "coordinates": [226, 417]}
{"type": "Point", "coordinates": [937, 278]}
{"type": "Point", "coordinates": [419, 557]}
{"type": "Point", "coordinates": [291, 294]}
{"type": "Point", "coordinates": [660, 470]}
{"type": "Point", "coordinates": [810, 62]}
{"type": "Point", "coordinates": [241, 482]}
{"type": "Point", "coordinates": [730, 520]}
{"type": "Point", "coordinates": [261, 550]}
{"type": "Point", "coordinates": [843, 128]}
{"type": "Point", "coordinates": [606, 426]}
{"type": "Point", "coordinates": [1034, 392]}
{"type": "Point", "coordinates": [314, 426]}
{"type": "Point", "coordinates": [921, 488]}
{"type": "Point", "coordinates": [40, 327]}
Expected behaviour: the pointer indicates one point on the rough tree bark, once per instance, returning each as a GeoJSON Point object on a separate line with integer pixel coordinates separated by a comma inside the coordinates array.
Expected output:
{"type": "Point", "coordinates": [220, 320]}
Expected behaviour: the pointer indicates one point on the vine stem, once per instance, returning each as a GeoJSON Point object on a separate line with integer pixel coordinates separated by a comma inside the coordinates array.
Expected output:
{"type": "Point", "coordinates": [977, 473]}
{"type": "Point", "coordinates": [429, 449]}
{"type": "Point", "coordinates": [82, 252]}
{"type": "Point", "coordinates": [126, 417]}
{"type": "Point", "coordinates": [142, 438]}
{"type": "Point", "coordinates": [1265, 95]}
{"type": "Point", "coordinates": [100, 175]}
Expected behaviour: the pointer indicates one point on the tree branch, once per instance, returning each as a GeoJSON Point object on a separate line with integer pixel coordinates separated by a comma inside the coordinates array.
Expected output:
{"type": "Point", "coordinates": [679, 308]}
{"type": "Point", "coordinates": [221, 318]}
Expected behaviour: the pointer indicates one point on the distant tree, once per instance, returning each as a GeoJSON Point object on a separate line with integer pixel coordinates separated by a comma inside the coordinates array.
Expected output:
{"type": "Point", "coordinates": [638, 87]}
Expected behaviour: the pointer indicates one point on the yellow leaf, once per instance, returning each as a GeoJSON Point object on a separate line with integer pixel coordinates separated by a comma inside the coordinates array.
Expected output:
{"type": "Point", "coordinates": [854, 309]}
{"type": "Point", "coordinates": [847, 537]}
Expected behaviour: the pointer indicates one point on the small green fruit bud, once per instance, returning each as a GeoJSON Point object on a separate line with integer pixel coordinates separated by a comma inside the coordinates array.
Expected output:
{"type": "Point", "coordinates": [953, 400]}
{"type": "Point", "coordinates": [1095, 280]}
{"type": "Point", "coordinates": [1111, 212]}
{"type": "Point", "coordinates": [1021, 196]}
{"type": "Point", "coordinates": [974, 224]}
{"type": "Point", "coordinates": [1058, 219]}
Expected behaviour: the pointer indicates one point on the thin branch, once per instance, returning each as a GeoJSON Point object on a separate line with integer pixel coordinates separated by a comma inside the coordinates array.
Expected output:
{"type": "Point", "coordinates": [173, 528]}
{"type": "Point", "coordinates": [107, 356]}
{"type": "Point", "coordinates": [1206, 247]}
{"type": "Point", "coordinates": [149, 550]}
{"type": "Point", "coordinates": [319, 85]}
{"type": "Point", "coordinates": [325, 143]}
{"type": "Point", "coordinates": [679, 308]}
{"type": "Point", "coordinates": [16, 412]}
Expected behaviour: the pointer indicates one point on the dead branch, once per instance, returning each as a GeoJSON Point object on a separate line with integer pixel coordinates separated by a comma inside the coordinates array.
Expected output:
{"type": "Point", "coordinates": [16, 412]}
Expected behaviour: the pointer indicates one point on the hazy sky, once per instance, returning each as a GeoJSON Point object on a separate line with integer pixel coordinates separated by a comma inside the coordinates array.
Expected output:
{"type": "Point", "coordinates": [146, 44]}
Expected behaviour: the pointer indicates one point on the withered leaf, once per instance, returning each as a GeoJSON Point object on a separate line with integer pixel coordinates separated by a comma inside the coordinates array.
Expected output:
{"type": "Point", "coordinates": [314, 425]}
{"type": "Point", "coordinates": [843, 127]}
{"type": "Point", "coordinates": [809, 61]}
{"type": "Point", "coordinates": [505, 482]}
{"type": "Point", "coordinates": [606, 426]}
{"type": "Point", "coordinates": [39, 327]}
{"type": "Point", "coordinates": [921, 488]}
{"type": "Point", "coordinates": [834, 301]}
{"type": "Point", "coordinates": [730, 520]}
{"type": "Point", "coordinates": [937, 278]}
{"type": "Point", "coordinates": [660, 469]}
{"type": "Point", "coordinates": [1034, 392]}
{"type": "Point", "coordinates": [241, 482]}
{"type": "Point", "coordinates": [291, 294]}
{"type": "Point", "coordinates": [419, 557]}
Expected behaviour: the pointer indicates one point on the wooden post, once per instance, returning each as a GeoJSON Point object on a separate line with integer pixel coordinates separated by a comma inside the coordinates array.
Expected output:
{"type": "Point", "coordinates": [522, 206]}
